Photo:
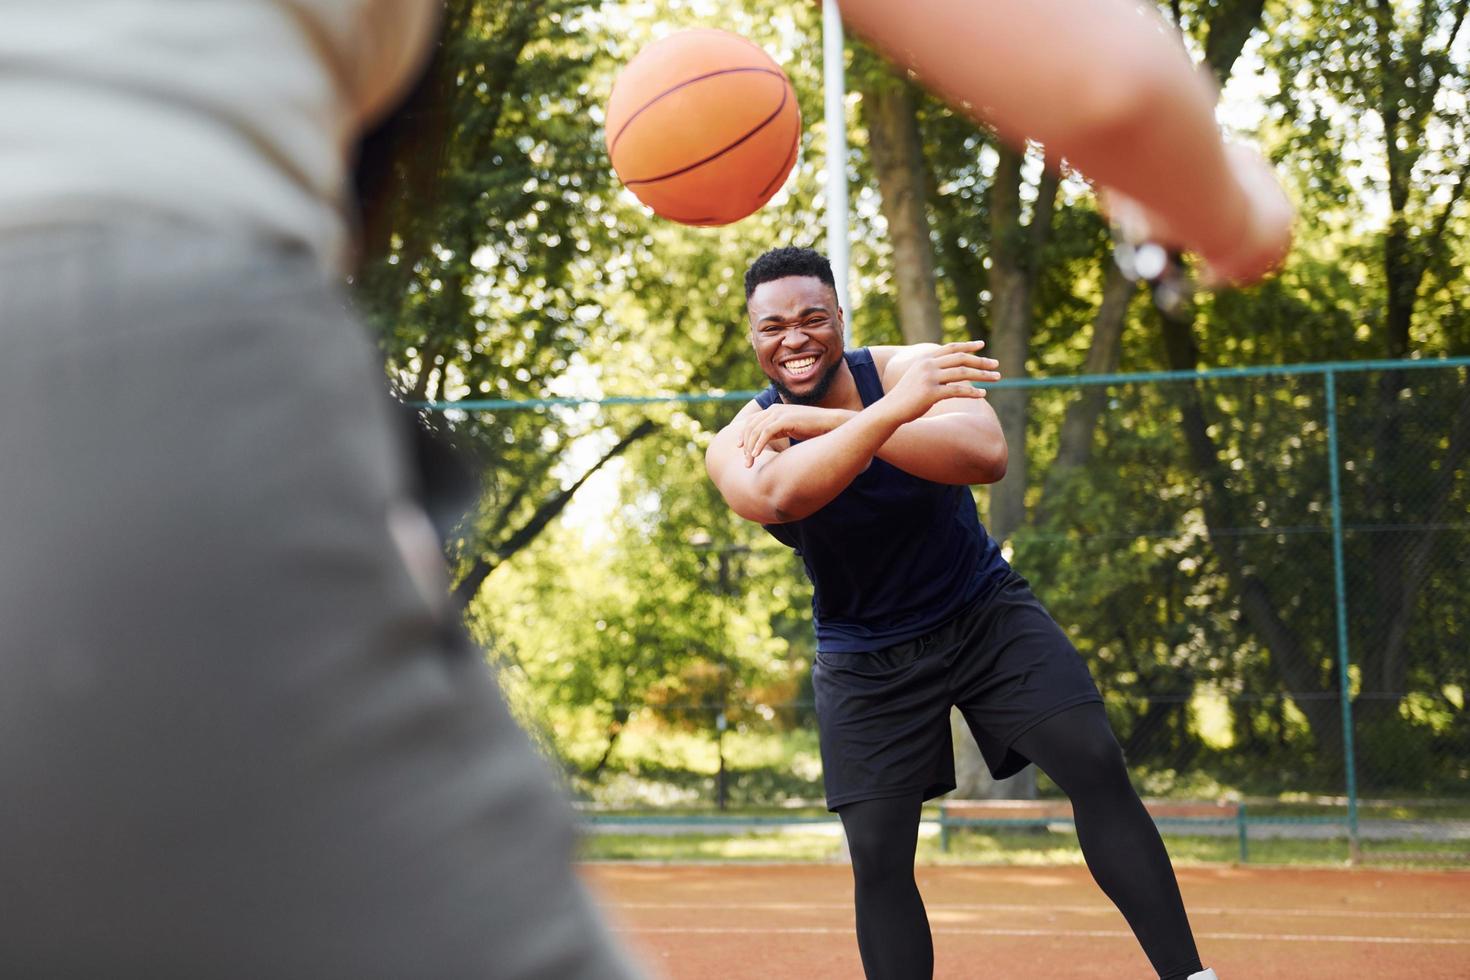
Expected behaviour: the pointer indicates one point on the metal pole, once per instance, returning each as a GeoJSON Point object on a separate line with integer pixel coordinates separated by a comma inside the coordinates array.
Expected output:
{"type": "Point", "coordinates": [1340, 588]}
{"type": "Point", "coordinates": [835, 88]}
{"type": "Point", "coordinates": [720, 725]}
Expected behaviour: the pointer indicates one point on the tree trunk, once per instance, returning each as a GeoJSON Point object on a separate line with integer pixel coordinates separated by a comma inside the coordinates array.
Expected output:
{"type": "Point", "coordinates": [1231, 26]}
{"type": "Point", "coordinates": [966, 276]}
{"type": "Point", "coordinates": [897, 154]}
{"type": "Point", "coordinates": [614, 729]}
{"type": "Point", "coordinates": [410, 152]}
{"type": "Point", "coordinates": [1010, 338]}
{"type": "Point", "coordinates": [469, 586]}
{"type": "Point", "coordinates": [1079, 423]}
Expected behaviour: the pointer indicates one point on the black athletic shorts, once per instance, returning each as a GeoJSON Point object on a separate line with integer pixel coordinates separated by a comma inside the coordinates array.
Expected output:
{"type": "Point", "coordinates": [884, 715]}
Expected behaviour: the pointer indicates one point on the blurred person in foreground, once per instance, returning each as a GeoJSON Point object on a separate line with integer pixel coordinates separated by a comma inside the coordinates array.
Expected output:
{"type": "Point", "coordinates": [241, 732]}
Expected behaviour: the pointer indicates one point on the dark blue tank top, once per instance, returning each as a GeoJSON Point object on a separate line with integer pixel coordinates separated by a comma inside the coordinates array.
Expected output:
{"type": "Point", "coordinates": [892, 556]}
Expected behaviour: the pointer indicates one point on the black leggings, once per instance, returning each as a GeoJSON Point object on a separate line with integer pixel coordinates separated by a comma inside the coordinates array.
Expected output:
{"type": "Point", "coordinates": [1077, 749]}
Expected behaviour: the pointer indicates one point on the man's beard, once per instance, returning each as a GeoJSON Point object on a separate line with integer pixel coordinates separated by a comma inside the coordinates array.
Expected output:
{"type": "Point", "coordinates": [813, 397]}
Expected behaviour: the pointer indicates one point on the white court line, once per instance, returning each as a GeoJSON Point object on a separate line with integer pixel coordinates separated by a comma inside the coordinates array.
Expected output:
{"type": "Point", "coordinates": [1085, 909]}
{"type": "Point", "coordinates": [1045, 933]}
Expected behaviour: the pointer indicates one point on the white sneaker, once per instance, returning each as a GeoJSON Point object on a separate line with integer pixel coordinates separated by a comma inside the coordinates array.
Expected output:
{"type": "Point", "coordinates": [1204, 975]}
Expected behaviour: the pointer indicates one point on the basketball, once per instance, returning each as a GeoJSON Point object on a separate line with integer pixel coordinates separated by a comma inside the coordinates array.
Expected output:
{"type": "Point", "coordinates": [703, 127]}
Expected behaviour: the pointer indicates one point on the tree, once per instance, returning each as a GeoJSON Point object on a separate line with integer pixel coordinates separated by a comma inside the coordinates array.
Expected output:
{"type": "Point", "coordinates": [667, 610]}
{"type": "Point", "coordinates": [481, 270]}
{"type": "Point", "coordinates": [1395, 70]}
{"type": "Point", "coordinates": [894, 144]}
{"type": "Point", "coordinates": [1400, 68]}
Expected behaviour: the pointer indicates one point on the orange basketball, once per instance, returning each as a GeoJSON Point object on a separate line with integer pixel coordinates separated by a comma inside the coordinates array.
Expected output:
{"type": "Point", "coordinates": [703, 127]}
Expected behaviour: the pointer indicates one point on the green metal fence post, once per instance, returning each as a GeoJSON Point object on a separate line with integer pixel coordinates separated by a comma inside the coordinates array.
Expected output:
{"type": "Point", "coordinates": [1340, 588]}
{"type": "Point", "coordinates": [1240, 827]}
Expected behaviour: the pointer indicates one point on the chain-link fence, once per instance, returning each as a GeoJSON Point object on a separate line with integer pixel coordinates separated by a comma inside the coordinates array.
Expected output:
{"type": "Point", "coordinates": [1294, 537]}
{"type": "Point", "coordinates": [1263, 567]}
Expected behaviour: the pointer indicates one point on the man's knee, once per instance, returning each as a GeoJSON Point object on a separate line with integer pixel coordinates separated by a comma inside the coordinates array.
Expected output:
{"type": "Point", "coordinates": [1102, 756]}
{"type": "Point", "coordinates": [1078, 749]}
{"type": "Point", "coordinates": [875, 863]}
{"type": "Point", "coordinates": [880, 839]}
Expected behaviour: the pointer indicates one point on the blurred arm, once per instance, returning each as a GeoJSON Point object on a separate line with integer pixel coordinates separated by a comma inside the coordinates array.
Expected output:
{"type": "Point", "coordinates": [1106, 84]}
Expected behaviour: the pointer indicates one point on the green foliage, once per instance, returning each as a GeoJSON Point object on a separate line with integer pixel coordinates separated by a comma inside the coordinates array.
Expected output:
{"type": "Point", "coordinates": [632, 611]}
{"type": "Point", "coordinates": [666, 608]}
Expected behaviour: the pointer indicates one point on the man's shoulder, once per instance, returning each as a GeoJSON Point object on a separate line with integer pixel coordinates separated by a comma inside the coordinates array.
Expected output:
{"type": "Point", "coordinates": [881, 354]}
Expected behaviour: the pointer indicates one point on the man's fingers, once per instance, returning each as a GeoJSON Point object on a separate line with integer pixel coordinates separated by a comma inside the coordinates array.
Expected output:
{"type": "Point", "coordinates": [765, 437]}
{"type": "Point", "coordinates": [953, 374]}
{"type": "Point", "coordinates": [751, 452]}
{"type": "Point", "coordinates": [965, 357]}
{"type": "Point", "coordinates": [754, 422]}
{"type": "Point", "coordinates": [752, 425]}
{"type": "Point", "coordinates": [967, 360]}
{"type": "Point", "coordinates": [757, 435]}
{"type": "Point", "coordinates": [960, 389]}
{"type": "Point", "coordinates": [747, 437]}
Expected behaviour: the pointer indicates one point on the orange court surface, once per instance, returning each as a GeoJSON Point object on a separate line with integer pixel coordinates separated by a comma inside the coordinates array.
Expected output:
{"type": "Point", "coordinates": [692, 922]}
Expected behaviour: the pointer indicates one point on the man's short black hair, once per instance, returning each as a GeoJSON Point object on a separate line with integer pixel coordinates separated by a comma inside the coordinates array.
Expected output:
{"type": "Point", "coordinates": [780, 263]}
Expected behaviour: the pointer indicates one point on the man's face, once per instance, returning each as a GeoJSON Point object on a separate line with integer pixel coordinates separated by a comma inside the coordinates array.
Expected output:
{"type": "Point", "coordinates": [796, 327]}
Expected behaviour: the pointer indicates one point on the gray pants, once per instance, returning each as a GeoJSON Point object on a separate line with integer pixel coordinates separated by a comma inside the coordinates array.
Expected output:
{"type": "Point", "coordinates": [241, 734]}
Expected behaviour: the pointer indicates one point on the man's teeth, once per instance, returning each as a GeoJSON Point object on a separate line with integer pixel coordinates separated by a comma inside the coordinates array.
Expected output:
{"type": "Point", "coordinates": [798, 366]}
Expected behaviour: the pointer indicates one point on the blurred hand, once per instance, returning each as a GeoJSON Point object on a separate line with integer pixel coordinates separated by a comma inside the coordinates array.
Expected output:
{"type": "Point", "coordinates": [1268, 235]}
{"type": "Point", "coordinates": [948, 371]}
{"type": "Point", "coordinates": [1253, 255]}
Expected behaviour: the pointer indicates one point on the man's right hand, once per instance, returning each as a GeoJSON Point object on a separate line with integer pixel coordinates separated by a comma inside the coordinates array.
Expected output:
{"type": "Point", "coordinates": [946, 371]}
{"type": "Point", "coordinates": [781, 421]}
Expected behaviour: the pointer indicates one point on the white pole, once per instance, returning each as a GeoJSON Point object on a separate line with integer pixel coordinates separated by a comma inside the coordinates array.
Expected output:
{"type": "Point", "coordinates": [836, 91]}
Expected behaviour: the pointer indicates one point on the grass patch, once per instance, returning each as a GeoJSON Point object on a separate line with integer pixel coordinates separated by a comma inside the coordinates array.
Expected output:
{"type": "Point", "coordinates": [1453, 854]}
{"type": "Point", "coordinates": [1018, 848]}
{"type": "Point", "coordinates": [783, 846]}
{"type": "Point", "coordinates": [1047, 847]}
{"type": "Point", "coordinates": [798, 810]}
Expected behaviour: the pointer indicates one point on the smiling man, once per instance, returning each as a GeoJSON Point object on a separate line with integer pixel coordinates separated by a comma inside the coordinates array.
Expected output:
{"type": "Point", "coordinates": [860, 461]}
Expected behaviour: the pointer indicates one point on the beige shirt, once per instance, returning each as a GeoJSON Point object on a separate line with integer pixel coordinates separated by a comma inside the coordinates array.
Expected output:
{"type": "Point", "coordinates": [240, 115]}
